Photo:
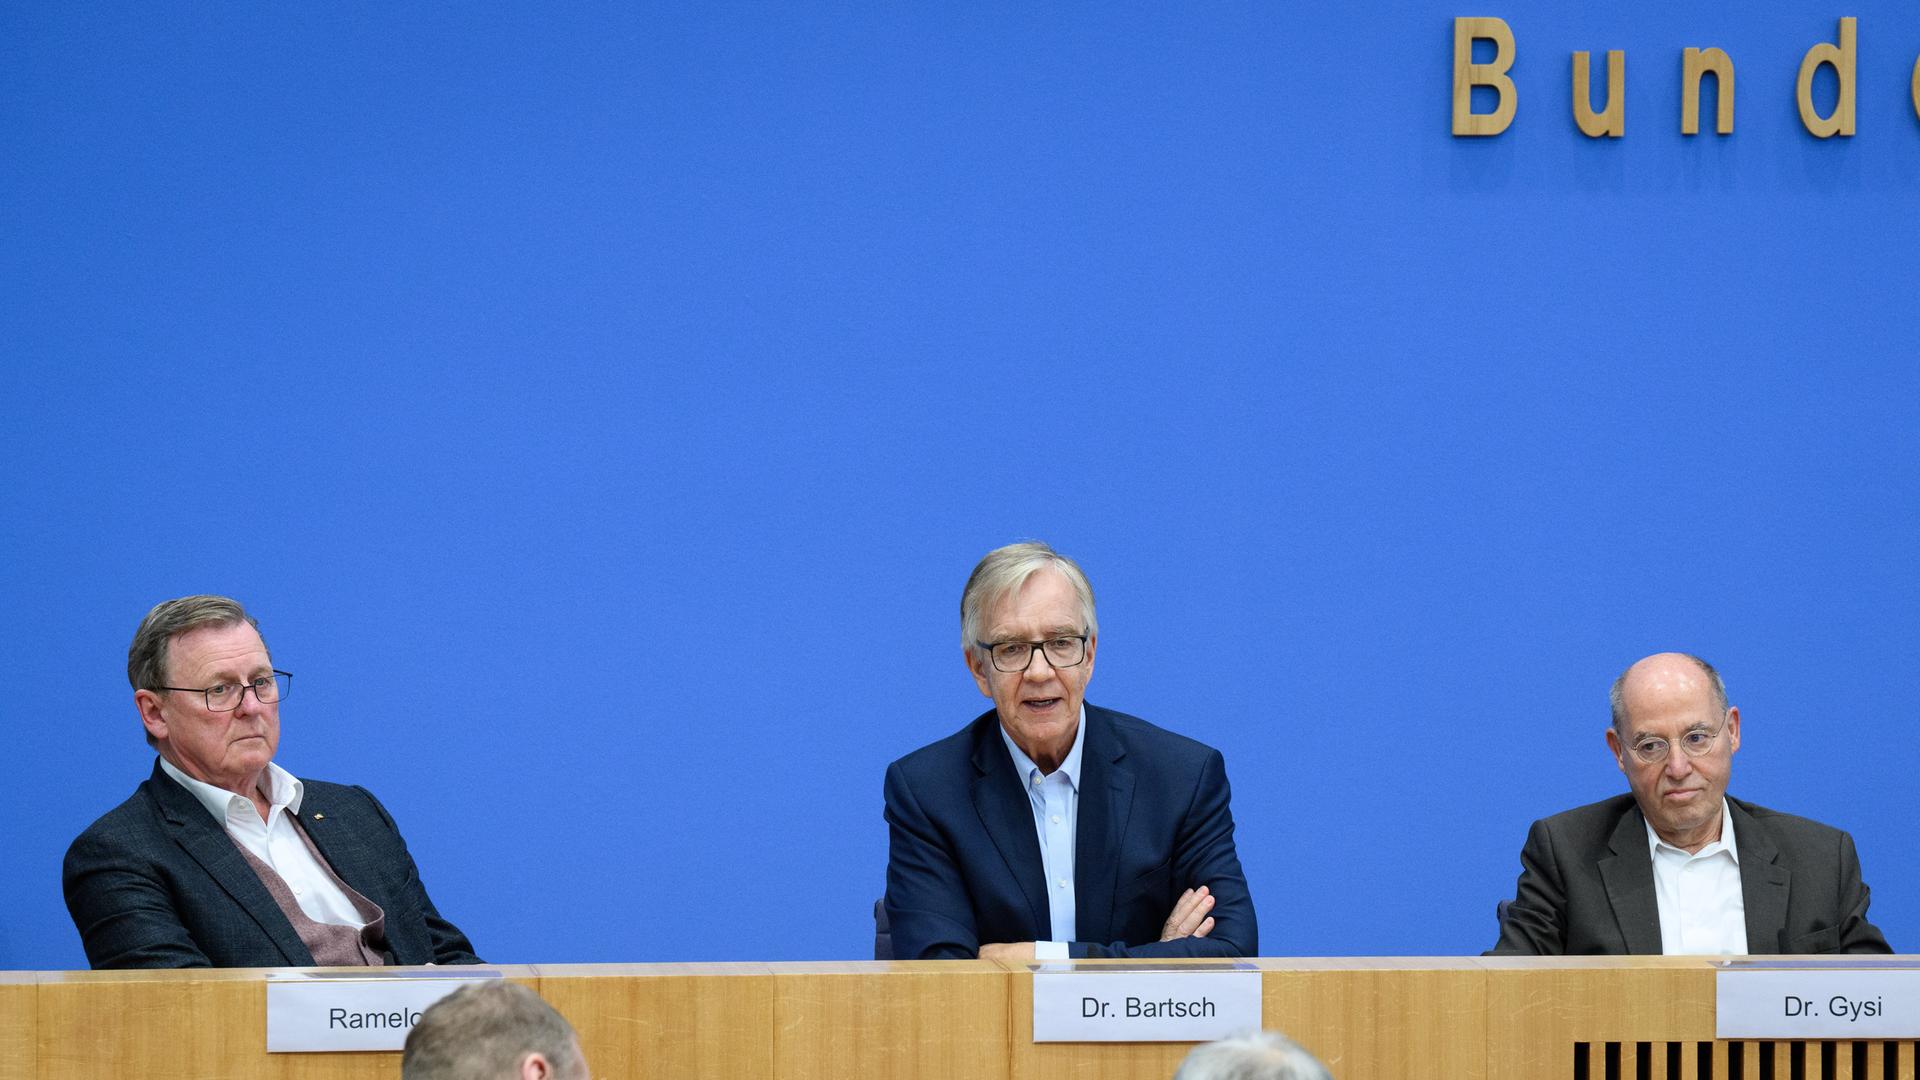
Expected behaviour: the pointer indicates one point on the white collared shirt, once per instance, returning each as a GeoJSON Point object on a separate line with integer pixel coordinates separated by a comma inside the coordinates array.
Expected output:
{"type": "Point", "coordinates": [274, 840]}
{"type": "Point", "coordinates": [1702, 908]}
{"type": "Point", "coordinates": [1056, 815]}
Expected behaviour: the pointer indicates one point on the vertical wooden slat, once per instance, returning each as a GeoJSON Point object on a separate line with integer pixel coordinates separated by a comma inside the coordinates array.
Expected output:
{"type": "Point", "coordinates": [1718, 1061]}
{"type": "Point", "coordinates": [1689, 1061]}
{"type": "Point", "coordinates": [1782, 1060]}
{"type": "Point", "coordinates": [1842, 1061]}
{"type": "Point", "coordinates": [1629, 1062]}
{"type": "Point", "coordinates": [1876, 1061]}
{"type": "Point", "coordinates": [1903, 1053]}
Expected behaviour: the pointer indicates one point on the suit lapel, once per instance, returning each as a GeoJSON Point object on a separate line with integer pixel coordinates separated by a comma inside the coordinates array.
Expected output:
{"type": "Point", "coordinates": [1007, 813]}
{"type": "Point", "coordinates": [1628, 876]}
{"type": "Point", "coordinates": [208, 844]}
{"type": "Point", "coordinates": [1764, 883]}
{"type": "Point", "coordinates": [1106, 804]}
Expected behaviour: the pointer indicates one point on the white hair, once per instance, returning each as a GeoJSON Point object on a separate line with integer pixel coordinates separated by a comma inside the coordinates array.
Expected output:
{"type": "Point", "coordinates": [1262, 1055]}
{"type": "Point", "coordinates": [1004, 571]}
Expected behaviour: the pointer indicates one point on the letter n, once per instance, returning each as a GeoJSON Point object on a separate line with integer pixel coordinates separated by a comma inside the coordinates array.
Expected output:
{"type": "Point", "coordinates": [1695, 65]}
{"type": "Point", "coordinates": [1467, 75]}
{"type": "Point", "coordinates": [1842, 59]}
{"type": "Point", "coordinates": [1611, 121]}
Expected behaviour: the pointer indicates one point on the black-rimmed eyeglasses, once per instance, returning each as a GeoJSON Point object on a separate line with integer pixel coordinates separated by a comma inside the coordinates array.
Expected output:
{"type": "Point", "coordinates": [1017, 656]}
{"type": "Point", "coordinates": [226, 697]}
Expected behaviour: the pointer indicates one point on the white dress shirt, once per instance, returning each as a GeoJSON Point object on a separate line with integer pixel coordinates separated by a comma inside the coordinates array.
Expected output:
{"type": "Point", "coordinates": [1702, 908]}
{"type": "Point", "coordinates": [1056, 812]}
{"type": "Point", "coordinates": [275, 842]}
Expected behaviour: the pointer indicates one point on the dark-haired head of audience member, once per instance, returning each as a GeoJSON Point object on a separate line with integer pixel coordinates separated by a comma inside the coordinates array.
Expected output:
{"type": "Point", "coordinates": [1262, 1055]}
{"type": "Point", "coordinates": [494, 1030]}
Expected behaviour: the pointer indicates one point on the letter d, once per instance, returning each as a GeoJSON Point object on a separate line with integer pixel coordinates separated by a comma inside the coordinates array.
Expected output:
{"type": "Point", "coordinates": [1842, 59]}
{"type": "Point", "coordinates": [1467, 75]}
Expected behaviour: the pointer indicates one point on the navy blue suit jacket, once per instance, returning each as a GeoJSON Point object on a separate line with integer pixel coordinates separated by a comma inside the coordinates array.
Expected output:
{"type": "Point", "coordinates": [963, 864]}
{"type": "Point", "coordinates": [158, 883]}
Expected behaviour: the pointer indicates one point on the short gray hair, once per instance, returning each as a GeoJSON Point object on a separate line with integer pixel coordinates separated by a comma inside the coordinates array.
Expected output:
{"type": "Point", "coordinates": [147, 656]}
{"type": "Point", "coordinates": [484, 1031]}
{"type": "Point", "coordinates": [1004, 571]}
{"type": "Point", "coordinates": [1262, 1055]}
{"type": "Point", "coordinates": [1616, 700]}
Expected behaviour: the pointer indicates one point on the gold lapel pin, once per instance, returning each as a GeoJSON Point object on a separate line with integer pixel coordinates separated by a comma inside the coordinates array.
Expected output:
{"type": "Point", "coordinates": [319, 817]}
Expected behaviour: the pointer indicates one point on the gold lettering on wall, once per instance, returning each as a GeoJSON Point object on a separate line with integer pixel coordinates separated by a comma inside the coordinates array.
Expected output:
{"type": "Point", "coordinates": [1611, 121]}
{"type": "Point", "coordinates": [1695, 64]}
{"type": "Point", "coordinates": [1467, 75]}
{"type": "Point", "coordinates": [1842, 59]}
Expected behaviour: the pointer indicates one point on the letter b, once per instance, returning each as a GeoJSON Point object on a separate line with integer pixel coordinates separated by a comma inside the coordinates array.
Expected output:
{"type": "Point", "coordinates": [1467, 75]}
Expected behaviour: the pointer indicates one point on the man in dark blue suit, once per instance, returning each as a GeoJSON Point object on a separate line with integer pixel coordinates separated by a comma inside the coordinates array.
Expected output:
{"type": "Point", "coordinates": [223, 859]}
{"type": "Point", "coordinates": [1048, 828]}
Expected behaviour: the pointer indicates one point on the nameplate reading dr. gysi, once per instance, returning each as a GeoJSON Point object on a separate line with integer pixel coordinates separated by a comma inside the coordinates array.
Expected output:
{"type": "Point", "coordinates": [1144, 1003]}
{"type": "Point", "coordinates": [317, 1014]}
{"type": "Point", "coordinates": [1798, 1000]}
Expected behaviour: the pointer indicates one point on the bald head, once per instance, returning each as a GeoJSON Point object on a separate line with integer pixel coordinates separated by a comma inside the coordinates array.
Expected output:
{"type": "Point", "coordinates": [1666, 680]}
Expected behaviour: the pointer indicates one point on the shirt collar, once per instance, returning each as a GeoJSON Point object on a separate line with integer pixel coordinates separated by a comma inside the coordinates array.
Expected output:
{"type": "Point", "coordinates": [1024, 766]}
{"type": "Point", "coordinates": [284, 790]}
{"type": "Point", "coordinates": [1726, 841]}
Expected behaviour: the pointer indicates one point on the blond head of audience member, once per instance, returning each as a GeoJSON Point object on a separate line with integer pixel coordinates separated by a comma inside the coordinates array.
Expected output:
{"type": "Point", "coordinates": [1262, 1055]}
{"type": "Point", "coordinates": [494, 1030]}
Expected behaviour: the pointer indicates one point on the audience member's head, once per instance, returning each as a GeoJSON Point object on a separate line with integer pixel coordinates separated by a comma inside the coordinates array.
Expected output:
{"type": "Point", "coordinates": [1262, 1055]}
{"type": "Point", "coordinates": [493, 1030]}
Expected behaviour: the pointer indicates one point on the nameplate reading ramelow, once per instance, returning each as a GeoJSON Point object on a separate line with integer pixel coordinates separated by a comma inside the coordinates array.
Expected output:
{"type": "Point", "coordinates": [308, 1014]}
{"type": "Point", "coordinates": [1785, 1000]}
{"type": "Point", "coordinates": [1144, 1004]}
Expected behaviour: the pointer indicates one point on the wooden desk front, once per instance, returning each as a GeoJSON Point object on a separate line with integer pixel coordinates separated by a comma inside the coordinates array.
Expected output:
{"type": "Point", "coordinates": [1368, 1018]}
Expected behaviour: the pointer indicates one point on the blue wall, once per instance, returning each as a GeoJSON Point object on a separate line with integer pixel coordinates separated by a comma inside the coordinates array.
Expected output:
{"type": "Point", "coordinates": [571, 389]}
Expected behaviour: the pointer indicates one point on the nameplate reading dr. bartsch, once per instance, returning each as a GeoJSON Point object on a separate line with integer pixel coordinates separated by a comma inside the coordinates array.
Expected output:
{"type": "Point", "coordinates": [1144, 1006]}
{"type": "Point", "coordinates": [1816, 1003]}
{"type": "Point", "coordinates": [317, 1015]}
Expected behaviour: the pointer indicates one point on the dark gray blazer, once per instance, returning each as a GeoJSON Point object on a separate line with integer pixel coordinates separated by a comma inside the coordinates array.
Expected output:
{"type": "Point", "coordinates": [157, 883]}
{"type": "Point", "coordinates": [1586, 885]}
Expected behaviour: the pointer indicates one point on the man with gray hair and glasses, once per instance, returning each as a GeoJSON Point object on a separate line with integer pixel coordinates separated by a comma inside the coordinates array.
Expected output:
{"type": "Point", "coordinates": [221, 858]}
{"type": "Point", "coordinates": [493, 1030]}
{"type": "Point", "coordinates": [1048, 828]}
{"type": "Point", "coordinates": [1262, 1055]}
{"type": "Point", "coordinates": [1677, 866]}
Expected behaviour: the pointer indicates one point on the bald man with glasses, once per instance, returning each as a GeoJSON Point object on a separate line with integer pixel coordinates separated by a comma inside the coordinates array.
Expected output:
{"type": "Point", "coordinates": [1676, 866]}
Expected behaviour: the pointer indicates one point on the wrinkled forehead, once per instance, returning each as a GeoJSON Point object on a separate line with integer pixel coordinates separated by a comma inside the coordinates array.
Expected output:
{"type": "Point", "coordinates": [216, 649]}
{"type": "Point", "coordinates": [1044, 600]}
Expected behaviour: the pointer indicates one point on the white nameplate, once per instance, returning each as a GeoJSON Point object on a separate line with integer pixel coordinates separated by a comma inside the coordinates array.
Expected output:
{"type": "Point", "coordinates": [1824, 1002]}
{"type": "Point", "coordinates": [308, 1014]}
{"type": "Point", "coordinates": [1135, 1005]}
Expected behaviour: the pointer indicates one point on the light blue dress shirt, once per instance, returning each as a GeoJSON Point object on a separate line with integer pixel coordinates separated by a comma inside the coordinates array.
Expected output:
{"type": "Point", "coordinates": [1056, 811]}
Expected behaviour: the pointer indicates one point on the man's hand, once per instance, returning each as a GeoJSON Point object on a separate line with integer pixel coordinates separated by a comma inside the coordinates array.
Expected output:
{"type": "Point", "coordinates": [1018, 951]}
{"type": "Point", "coordinates": [1189, 918]}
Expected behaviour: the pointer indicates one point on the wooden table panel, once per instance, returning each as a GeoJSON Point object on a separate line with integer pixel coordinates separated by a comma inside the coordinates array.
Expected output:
{"type": "Point", "coordinates": [667, 1021]}
{"type": "Point", "coordinates": [1382, 1019]}
{"type": "Point", "coordinates": [19, 1025]}
{"type": "Point", "coordinates": [170, 1025]}
{"type": "Point", "coordinates": [924, 1020]}
{"type": "Point", "coordinates": [1536, 1012]}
